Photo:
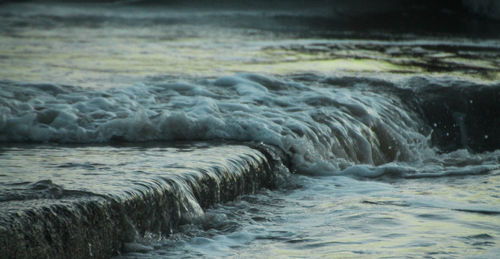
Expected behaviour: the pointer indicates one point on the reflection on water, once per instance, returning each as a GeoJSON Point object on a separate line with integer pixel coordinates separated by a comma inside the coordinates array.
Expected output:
{"type": "Point", "coordinates": [54, 172]}
{"type": "Point", "coordinates": [102, 47]}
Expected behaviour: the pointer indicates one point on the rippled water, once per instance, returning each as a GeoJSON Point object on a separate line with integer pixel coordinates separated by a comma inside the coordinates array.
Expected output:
{"type": "Point", "coordinates": [391, 139]}
{"type": "Point", "coordinates": [32, 172]}
{"type": "Point", "coordinates": [340, 217]}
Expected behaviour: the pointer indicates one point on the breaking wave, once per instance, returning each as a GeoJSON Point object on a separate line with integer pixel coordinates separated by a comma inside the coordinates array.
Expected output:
{"type": "Point", "coordinates": [323, 124]}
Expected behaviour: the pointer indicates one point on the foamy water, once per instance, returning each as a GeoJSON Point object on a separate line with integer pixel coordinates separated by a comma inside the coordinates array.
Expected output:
{"type": "Point", "coordinates": [345, 218]}
{"type": "Point", "coordinates": [392, 144]}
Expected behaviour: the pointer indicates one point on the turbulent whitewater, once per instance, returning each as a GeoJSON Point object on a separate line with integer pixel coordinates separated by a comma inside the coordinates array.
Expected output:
{"type": "Point", "coordinates": [366, 142]}
{"type": "Point", "coordinates": [324, 124]}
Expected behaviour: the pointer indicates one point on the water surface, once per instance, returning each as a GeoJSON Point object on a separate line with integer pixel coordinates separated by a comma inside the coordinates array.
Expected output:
{"type": "Point", "coordinates": [390, 136]}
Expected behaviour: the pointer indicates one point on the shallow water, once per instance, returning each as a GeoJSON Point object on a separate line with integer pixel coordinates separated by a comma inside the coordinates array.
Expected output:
{"type": "Point", "coordinates": [102, 46]}
{"type": "Point", "coordinates": [339, 217]}
{"type": "Point", "coordinates": [32, 172]}
{"type": "Point", "coordinates": [391, 138]}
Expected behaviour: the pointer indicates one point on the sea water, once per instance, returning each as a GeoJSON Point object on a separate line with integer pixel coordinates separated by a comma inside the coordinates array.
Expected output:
{"type": "Point", "coordinates": [391, 138]}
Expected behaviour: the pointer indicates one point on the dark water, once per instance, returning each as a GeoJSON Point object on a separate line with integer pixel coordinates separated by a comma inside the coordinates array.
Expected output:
{"type": "Point", "coordinates": [391, 137]}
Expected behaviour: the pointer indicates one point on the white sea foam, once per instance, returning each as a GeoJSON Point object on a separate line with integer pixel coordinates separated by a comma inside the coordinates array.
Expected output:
{"type": "Point", "coordinates": [314, 123]}
{"type": "Point", "coordinates": [322, 127]}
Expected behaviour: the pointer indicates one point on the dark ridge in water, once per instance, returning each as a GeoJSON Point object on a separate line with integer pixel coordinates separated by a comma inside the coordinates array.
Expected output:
{"type": "Point", "coordinates": [418, 54]}
{"type": "Point", "coordinates": [485, 212]}
{"type": "Point", "coordinates": [62, 223]}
